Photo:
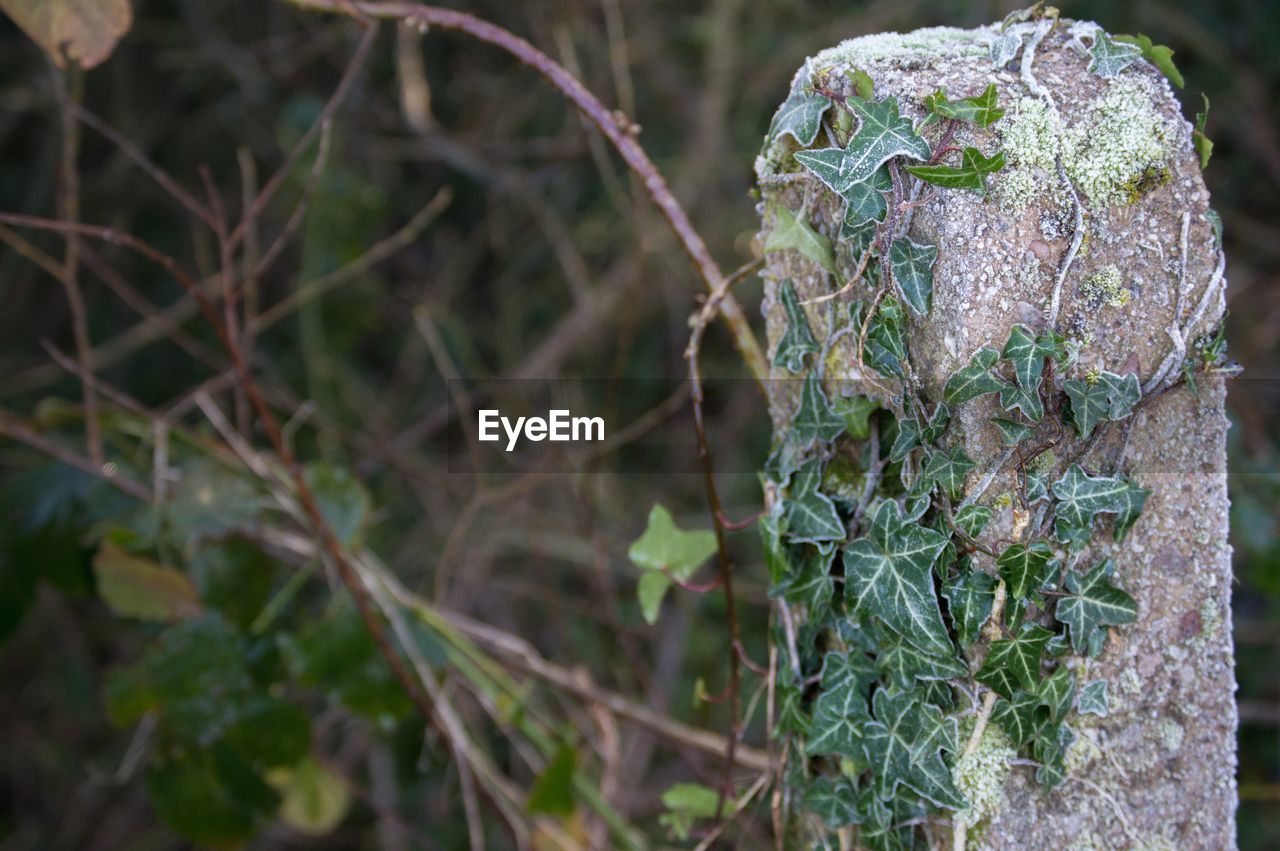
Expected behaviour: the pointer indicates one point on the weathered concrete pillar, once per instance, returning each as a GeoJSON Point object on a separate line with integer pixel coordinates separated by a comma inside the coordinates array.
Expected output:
{"type": "Point", "coordinates": [1097, 227]}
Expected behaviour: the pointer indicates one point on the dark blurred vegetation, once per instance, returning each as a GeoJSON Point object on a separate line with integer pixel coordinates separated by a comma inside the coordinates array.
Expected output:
{"type": "Point", "coordinates": [526, 250]}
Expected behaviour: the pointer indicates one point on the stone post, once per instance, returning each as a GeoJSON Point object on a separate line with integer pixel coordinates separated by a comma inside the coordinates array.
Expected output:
{"type": "Point", "coordinates": [1098, 228]}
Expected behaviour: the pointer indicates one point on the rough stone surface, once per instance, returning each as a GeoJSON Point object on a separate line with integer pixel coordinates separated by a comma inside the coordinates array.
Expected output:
{"type": "Point", "coordinates": [1158, 771]}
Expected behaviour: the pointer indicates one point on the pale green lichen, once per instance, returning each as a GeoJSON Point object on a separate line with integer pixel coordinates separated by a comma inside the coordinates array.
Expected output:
{"type": "Point", "coordinates": [1083, 751]}
{"type": "Point", "coordinates": [1106, 286]}
{"type": "Point", "coordinates": [1121, 137]}
{"type": "Point", "coordinates": [980, 776]}
{"type": "Point", "coordinates": [933, 41]}
{"type": "Point", "coordinates": [1030, 135]}
{"type": "Point", "coordinates": [1171, 734]}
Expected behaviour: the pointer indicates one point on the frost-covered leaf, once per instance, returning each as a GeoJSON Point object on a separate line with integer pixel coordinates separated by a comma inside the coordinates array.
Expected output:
{"type": "Point", "coordinates": [814, 418]}
{"type": "Point", "coordinates": [1004, 49]}
{"type": "Point", "coordinates": [888, 575]}
{"type": "Point", "coordinates": [1014, 663]}
{"type": "Point", "coordinates": [849, 668]}
{"type": "Point", "coordinates": [1026, 569]}
{"type": "Point", "coordinates": [1081, 498]}
{"type": "Point", "coordinates": [1015, 398]}
{"type": "Point", "coordinates": [665, 551]}
{"type": "Point", "coordinates": [811, 515]}
{"type": "Point", "coordinates": [903, 748]}
{"type": "Point", "coordinates": [798, 339]}
{"type": "Point", "coordinates": [1058, 692]}
{"type": "Point", "coordinates": [1017, 716]}
{"type": "Point", "coordinates": [1093, 602]}
{"type": "Point", "coordinates": [979, 109]}
{"type": "Point", "coordinates": [1027, 355]}
{"type": "Point", "coordinates": [863, 85]}
{"type": "Point", "coordinates": [970, 595]}
{"type": "Point", "coordinates": [1108, 397]}
{"type": "Point", "coordinates": [1093, 699]}
{"type": "Point", "coordinates": [1157, 54]}
{"type": "Point", "coordinates": [884, 134]}
{"type": "Point", "coordinates": [886, 346]}
{"type": "Point", "coordinates": [865, 202]}
{"type": "Point", "coordinates": [800, 116]}
{"type": "Point", "coordinates": [904, 663]}
{"type": "Point", "coordinates": [947, 470]}
{"type": "Point", "coordinates": [970, 174]}
{"type": "Point", "coordinates": [834, 800]}
{"type": "Point", "coordinates": [973, 380]}
{"type": "Point", "coordinates": [839, 719]}
{"type": "Point", "coordinates": [972, 519]}
{"type": "Point", "coordinates": [1034, 485]}
{"type": "Point", "coordinates": [792, 233]}
{"type": "Point", "coordinates": [811, 585]}
{"type": "Point", "coordinates": [912, 267]}
{"type": "Point", "coordinates": [1012, 432]}
{"type": "Point", "coordinates": [1111, 57]}
{"type": "Point", "coordinates": [134, 586]}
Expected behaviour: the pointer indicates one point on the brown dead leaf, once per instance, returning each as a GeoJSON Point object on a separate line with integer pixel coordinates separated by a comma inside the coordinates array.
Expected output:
{"type": "Point", "coordinates": [85, 31]}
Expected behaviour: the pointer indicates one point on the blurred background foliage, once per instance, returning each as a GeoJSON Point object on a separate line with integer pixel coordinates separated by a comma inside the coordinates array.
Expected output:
{"type": "Point", "coordinates": [180, 668]}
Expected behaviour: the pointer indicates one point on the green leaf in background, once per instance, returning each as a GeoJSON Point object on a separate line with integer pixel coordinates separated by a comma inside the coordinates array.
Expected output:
{"type": "Point", "coordinates": [903, 747]}
{"type": "Point", "coordinates": [1157, 54]}
{"type": "Point", "coordinates": [686, 803]}
{"type": "Point", "coordinates": [970, 595]}
{"type": "Point", "coordinates": [1058, 693]}
{"type": "Point", "coordinates": [811, 515]}
{"type": "Point", "coordinates": [979, 109]}
{"type": "Point", "coordinates": [138, 587]}
{"type": "Point", "coordinates": [1111, 57]}
{"type": "Point", "coordinates": [1017, 716]}
{"type": "Point", "coordinates": [665, 551]}
{"type": "Point", "coordinates": [798, 339]}
{"type": "Point", "coordinates": [973, 380]}
{"type": "Point", "coordinates": [970, 174]}
{"type": "Point", "coordinates": [209, 501]}
{"type": "Point", "coordinates": [947, 470]}
{"type": "Point", "coordinates": [794, 234]}
{"type": "Point", "coordinates": [209, 796]}
{"type": "Point", "coordinates": [1081, 498]}
{"type": "Point", "coordinates": [883, 134]}
{"type": "Point", "coordinates": [889, 575]}
{"type": "Point", "coordinates": [1094, 603]}
{"type": "Point", "coordinates": [912, 266]}
{"type": "Point", "coordinates": [863, 86]}
{"type": "Point", "coordinates": [1093, 699]}
{"type": "Point", "coordinates": [1014, 663]}
{"type": "Point", "coordinates": [800, 116]}
{"type": "Point", "coordinates": [834, 800]}
{"type": "Point", "coordinates": [814, 418]}
{"type": "Point", "coordinates": [270, 731]}
{"type": "Point", "coordinates": [233, 576]}
{"type": "Point", "coordinates": [343, 500]}
{"type": "Point", "coordinates": [1025, 569]}
{"type": "Point", "coordinates": [315, 797]}
{"type": "Point", "coordinates": [552, 792]}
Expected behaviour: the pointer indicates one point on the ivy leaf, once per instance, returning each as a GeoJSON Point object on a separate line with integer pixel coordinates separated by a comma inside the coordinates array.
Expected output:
{"type": "Point", "coordinates": [1026, 569]}
{"type": "Point", "coordinates": [1017, 716]}
{"type": "Point", "coordinates": [970, 174]}
{"type": "Point", "coordinates": [1093, 602]}
{"type": "Point", "coordinates": [811, 515]}
{"type": "Point", "coordinates": [1082, 497]}
{"type": "Point", "coordinates": [979, 109]}
{"type": "Point", "coordinates": [912, 267]}
{"type": "Point", "coordinates": [665, 551]}
{"type": "Point", "coordinates": [1012, 432]}
{"type": "Point", "coordinates": [863, 85]}
{"type": "Point", "coordinates": [839, 718]}
{"type": "Point", "coordinates": [1058, 692]}
{"type": "Point", "coordinates": [811, 585]}
{"type": "Point", "coordinates": [1134, 500]}
{"type": "Point", "coordinates": [1027, 355]}
{"type": "Point", "coordinates": [903, 664]}
{"type": "Point", "coordinates": [937, 424]}
{"type": "Point", "coordinates": [1014, 663]}
{"type": "Point", "coordinates": [844, 669]}
{"type": "Point", "coordinates": [947, 470]}
{"type": "Point", "coordinates": [791, 233]}
{"type": "Point", "coordinates": [884, 134]}
{"type": "Point", "coordinates": [775, 552]}
{"type": "Point", "coordinates": [903, 745]}
{"type": "Point", "coordinates": [972, 519]}
{"type": "Point", "coordinates": [973, 380]}
{"type": "Point", "coordinates": [1108, 397]}
{"type": "Point", "coordinates": [800, 116]}
{"type": "Point", "coordinates": [888, 575]}
{"type": "Point", "coordinates": [1050, 749]}
{"type": "Point", "coordinates": [886, 347]}
{"type": "Point", "coordinates": [1111, 57]}
{"type": "Point", "coordinates": [907, 439]}
{"type": "Point", "coordinates": [1004, 49]}
{"type": "Point", "coordinates": [1157, 54]}
{"type": "Point", "coordinates": [814, 418]}
{"type": "Point", "coordinates": [856, 412]}
{"type": "Point", "coordinates": [866, 201]}
{"type": "Point", "coordinates": [1093, 699]}
{"type": "Point", "coordinates": [970, 595]}
{"type": "Point", "coordinates": [834, 800]}
{"type": "Point", "coordinates": [798, 340]}
{"type": "Point", "coordinates": [1035, 487]}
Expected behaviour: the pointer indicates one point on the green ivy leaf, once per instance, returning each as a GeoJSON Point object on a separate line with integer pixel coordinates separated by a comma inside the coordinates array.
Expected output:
{"type": "Point", "coordinates": [1134, 500]}
{"type": "Point", "coordinates": [903, 664]}
{"type": "Point", "coordinates": [1204, 147]}
{"type": "Point", "coordinates": [1081, 498]}
{"type": "Point", "coordinates": [1014, 663]}
{"type": "Point", "coordinates": [947, 470]}
{"type": "Point", "coordinates": [856, 412]}
{"type": "Point", "coordinates": [866, 201]}
{"type": "Point", "coordinates": [973, 380]}
{"type": "Point", "coordinates": [933, 430]}
{"type": "Point", "coordinates": [1017, 716]}
{"type": "Point", "coordinates": [1012, 432]}
{"type": "Point", "coordinates": [811, 515]}
{"type": "Point", "coordinates": [1026, 569]}
{"type": "Point", "coordinates": [1109, 397]}
{"type": "Point", "coordinates": [886, 347]}
{"type": "Point", "coordinates": [842, 669]}
{"type": "Point", "coordinates": [1093, 603]}
{"type": "Point", "coordinates": [1111, 57]}
{"type": "Point", "coordinates": [979, 109]}
{"type": "Point", "coordinates": [775, 552]}
{"type": "Point", "coordinates": [1093, 699]}
{"type": "Point", "coordinates": [912, 267]}
{"type": "Point", "coordinates": [812, 585]}
{"type": "Point", "coordinates": [1026, 353]}
{"type": "Point", "coordinates": [814, 418]}
{"type": "Point", "coordinates": [834, 800]}
{"type": "Point", "coordinates": [888, 575]}
{"type": "Point", "coordinates": [970, 174]}
{"type": "Point", "coordinates": [839, 719]}
{"type": "Point", "coordinates": [1058, 692]}
{"type": "Point", "coordinates": [970, 595]}
{"type": "Point", "coordinates": [800, 116]}
{"type": "Point", "coordinates": [884, 134]}
{"type": "Point", "coordinates": [1157, 54]}
{"type": "Point", "coordinates": [972, 519]}
{"type": "Point", "coordinates": [863, 85]}
{"type": "Point", "coordinates": [903, 748]}
{"type": "Point", "coordinates": [1050, 748]}
{"type": "Point", "coordinates": [907, 439]}
{"type": "Point", "coordinates": [791, 233]}
{"type": "Point", "coordinates": [686, 803]}
{"type": "Point", "coordinates": [664, 551]}
{"type": "Point", "coordinates": [798, 340]}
